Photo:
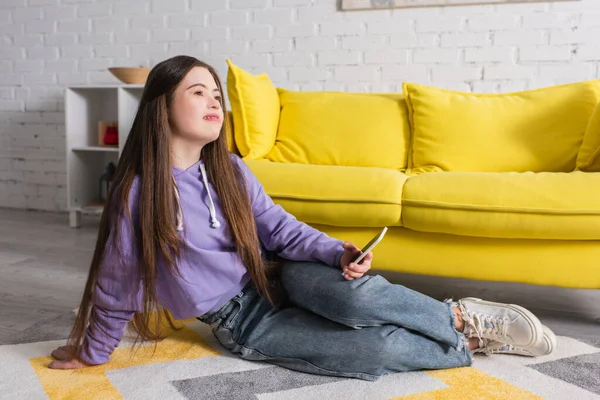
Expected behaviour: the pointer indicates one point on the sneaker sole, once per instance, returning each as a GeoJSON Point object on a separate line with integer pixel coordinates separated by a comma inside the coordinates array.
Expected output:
{"type": "Point", "coordinates": [550, 337]}
{"type": "Point", "coordinates": [525, 313]}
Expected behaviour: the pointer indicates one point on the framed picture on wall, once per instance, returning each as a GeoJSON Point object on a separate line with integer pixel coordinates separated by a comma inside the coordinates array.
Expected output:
{"type": "Point", "coordinates": [378, 4]}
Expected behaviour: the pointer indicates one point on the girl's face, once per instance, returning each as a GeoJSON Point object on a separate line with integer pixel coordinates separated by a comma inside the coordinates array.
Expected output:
{"type": "Point", "coordinates": [195, 112]}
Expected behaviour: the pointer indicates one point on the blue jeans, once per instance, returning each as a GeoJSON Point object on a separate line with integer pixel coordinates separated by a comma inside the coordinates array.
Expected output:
{"type": "Point", "coordinates": [364, 328]}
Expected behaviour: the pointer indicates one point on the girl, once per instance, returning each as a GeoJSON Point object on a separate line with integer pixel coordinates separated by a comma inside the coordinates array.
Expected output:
{"type": "Point", "coordinates": [187, 229]}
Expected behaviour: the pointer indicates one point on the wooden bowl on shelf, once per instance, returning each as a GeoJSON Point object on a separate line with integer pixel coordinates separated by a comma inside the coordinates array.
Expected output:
{"type": "Point", "coordinates": [130, 75]}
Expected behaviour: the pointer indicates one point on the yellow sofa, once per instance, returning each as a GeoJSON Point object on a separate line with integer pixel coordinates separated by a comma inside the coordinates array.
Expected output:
{"type": "Point", "coordinates": [498, 187]}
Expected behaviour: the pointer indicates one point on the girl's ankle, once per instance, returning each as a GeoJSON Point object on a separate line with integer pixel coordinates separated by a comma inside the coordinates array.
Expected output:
{"type": "Point", "coordinates": [459, 322]}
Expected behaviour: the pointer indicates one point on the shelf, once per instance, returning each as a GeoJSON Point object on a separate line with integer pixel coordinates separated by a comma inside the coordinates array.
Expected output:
{"type": "Point", "coordinates": [85, 169]}
{"type": "Point", "coordinates": [86, 159]}
{"type": "Point", "coordinates": [108, 86]}
{"type": "Point", "coordinates": [88, 210]}
{"type": "Point", "coordinates": [96, 148]}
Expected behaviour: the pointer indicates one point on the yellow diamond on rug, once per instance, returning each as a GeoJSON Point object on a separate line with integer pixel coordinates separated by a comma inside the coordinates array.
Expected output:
{"type": "Point", "coordinates": [92, 382]}
{"type": "Point", "coordinates": [471, 384]}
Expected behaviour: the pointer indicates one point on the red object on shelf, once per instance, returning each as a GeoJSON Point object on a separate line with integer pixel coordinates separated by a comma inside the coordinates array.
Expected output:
{"type": "Point", "coordinates": [111, 136]}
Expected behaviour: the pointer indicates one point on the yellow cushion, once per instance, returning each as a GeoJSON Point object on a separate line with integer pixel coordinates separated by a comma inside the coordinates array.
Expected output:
{"type": "Point", "coordinates": [255, 108]}
{"type": "Point", "coordinates": [349, 129]}
{"type": "Point", "coordinates": [588, 158]}
{"type": "Point", "coordinates": [333, 195]}
{"type": "Point", "coordinates": [231, 147]}
{"type": "Point", "coordinates": [537, 130]}
{"type": "Point", "coordinates": [505, 205]}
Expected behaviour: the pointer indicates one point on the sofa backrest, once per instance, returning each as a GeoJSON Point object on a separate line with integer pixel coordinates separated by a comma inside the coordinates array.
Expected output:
{"type": "Point", "coordinates": [321, 128]}
{"type": "Point", "coordinates": [348, 129]}
{"type": "Point", "coordinates": [423, 129]}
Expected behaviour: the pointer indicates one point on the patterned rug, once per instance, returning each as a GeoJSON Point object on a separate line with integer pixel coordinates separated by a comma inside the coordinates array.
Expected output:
{"type": "Point", "coordinates": [190, 364]}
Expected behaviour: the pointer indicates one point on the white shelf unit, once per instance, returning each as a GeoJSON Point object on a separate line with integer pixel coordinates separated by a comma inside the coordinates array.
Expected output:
{"type": "Point", "coordinates": [85, 106]}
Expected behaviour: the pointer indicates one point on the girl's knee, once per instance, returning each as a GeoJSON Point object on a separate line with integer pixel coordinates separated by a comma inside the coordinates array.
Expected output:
{"type": "Point", "coordinates": [303, 270]}
{"type": "Point", "coordinates": [291, 270]}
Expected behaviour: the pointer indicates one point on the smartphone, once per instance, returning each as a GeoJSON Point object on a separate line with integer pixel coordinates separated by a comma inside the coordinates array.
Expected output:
{"type": "Point", "coordinates": [365, 250]}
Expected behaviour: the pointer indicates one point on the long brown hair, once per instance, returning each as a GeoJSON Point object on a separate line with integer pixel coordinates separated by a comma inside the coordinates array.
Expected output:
{"type": "Point", "coordinates": [146, 153]}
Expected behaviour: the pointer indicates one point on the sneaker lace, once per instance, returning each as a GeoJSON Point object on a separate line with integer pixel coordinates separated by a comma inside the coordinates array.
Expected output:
{"type": "Point", "coordinates": [483, 326]}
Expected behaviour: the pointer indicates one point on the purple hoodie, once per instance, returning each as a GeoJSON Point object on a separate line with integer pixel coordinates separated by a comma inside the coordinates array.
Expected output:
{"type": "Point", "coordinates": [212, 272]}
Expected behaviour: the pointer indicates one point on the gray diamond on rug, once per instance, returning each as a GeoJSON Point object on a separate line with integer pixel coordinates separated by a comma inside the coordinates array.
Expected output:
{"type": "Point", "coordinates": [582, 371]}
{"type": "Point", "coordinates": [245, 385]}
{"type": "Point", "coordinates": [594, 343]}
{"type": "Point", "coordinates": [49, 329]}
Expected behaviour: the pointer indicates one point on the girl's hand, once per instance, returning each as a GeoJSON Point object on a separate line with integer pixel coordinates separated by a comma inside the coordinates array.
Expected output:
{"type": "Point", "coordinates": [351, 270]}
{"type": "Point", "coordinates": [66, 359]}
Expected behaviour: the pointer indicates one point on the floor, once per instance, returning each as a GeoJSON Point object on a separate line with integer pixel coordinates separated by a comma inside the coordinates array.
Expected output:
{"type": "Point", "coordinates": [44, 264]}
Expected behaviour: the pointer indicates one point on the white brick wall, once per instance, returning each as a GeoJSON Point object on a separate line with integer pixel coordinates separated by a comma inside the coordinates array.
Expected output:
{"type": "Point", "coordinates": [46, 45]}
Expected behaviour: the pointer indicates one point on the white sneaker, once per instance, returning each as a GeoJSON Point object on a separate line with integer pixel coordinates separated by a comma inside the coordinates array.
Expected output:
{"type": "Point", "coordinates": [544, 348]}
{"type": "Point", "coordinates": [505, 323]}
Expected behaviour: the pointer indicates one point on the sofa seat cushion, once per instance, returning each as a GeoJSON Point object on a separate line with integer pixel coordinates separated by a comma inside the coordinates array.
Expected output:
{"type": "Point", "coordinates": [333, 195]}
{"type": "Point", "coordinates": [529, 205]}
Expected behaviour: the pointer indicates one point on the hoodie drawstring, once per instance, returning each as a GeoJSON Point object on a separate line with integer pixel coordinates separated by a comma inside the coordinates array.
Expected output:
{"type": "Point", "coordinates": [211, 206]}
{"type": "Point", "coordinates": [179, 212]}
{"type": "Point", "coordinates": [214, 222]}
